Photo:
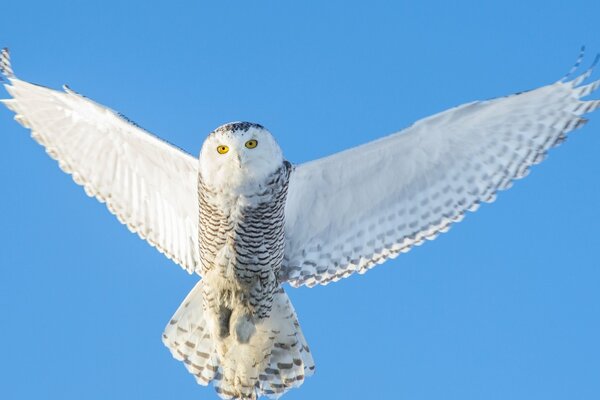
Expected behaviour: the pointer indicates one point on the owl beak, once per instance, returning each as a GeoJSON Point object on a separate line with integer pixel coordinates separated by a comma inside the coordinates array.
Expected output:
{"type": "Point", "coordinates": [238, 158]}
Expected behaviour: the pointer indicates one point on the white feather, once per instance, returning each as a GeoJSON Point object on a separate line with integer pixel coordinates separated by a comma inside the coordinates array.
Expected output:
{"type": "Point", "coordinates": [350, 211]}
{"type": "Point", "coordinates": [148, 184]}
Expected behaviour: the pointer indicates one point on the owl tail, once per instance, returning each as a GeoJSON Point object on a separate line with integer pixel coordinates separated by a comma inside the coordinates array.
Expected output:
{"type": "Point", "coordinates": [274, 360]}
{"type": "Point", "coordinates": [188, 337]}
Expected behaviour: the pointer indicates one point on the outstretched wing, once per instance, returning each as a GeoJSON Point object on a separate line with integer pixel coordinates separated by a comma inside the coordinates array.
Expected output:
{"type": "Point", "coordinates": [350, 211]}
{"type": "Point", "coordinates": [147, 183]}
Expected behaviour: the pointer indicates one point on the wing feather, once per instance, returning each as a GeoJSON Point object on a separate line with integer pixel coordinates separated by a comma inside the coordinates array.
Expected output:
{"type": "Point", "coordinates": [355, 209]}
{"type": "Point", "coordinates": [148, 184]}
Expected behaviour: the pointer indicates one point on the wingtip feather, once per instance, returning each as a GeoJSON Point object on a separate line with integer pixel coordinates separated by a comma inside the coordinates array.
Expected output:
{"type": "Point", "coordinates": [11, 104]}
{"type": "Point", "coordinates": [5, 67]}
{"type": "Point", "coordinates": [575, 66]}
{"type": "Point", "coordinates": [581, 78]}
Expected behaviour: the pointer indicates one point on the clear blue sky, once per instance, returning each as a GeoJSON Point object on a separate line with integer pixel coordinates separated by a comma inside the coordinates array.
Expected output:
{"type": "Point", "coordinates": [504, 306]}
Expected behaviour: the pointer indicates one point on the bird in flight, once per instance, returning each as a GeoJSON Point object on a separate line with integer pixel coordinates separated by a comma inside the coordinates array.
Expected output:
{"type": "Point", "coordinates": [247, 221]}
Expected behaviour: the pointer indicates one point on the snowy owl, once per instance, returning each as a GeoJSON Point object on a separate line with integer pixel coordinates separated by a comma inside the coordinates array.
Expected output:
{"type": "Point", "coordinates": [247, 221]}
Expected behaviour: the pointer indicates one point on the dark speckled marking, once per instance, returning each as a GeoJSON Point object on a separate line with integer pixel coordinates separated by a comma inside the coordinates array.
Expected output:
{"type": "Point", "coordinates": [5, 68]}
{"type": "Point", "coordinates": [237, 126]}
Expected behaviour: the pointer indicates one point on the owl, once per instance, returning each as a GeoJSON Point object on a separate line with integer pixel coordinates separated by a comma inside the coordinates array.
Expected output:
{"type": "Point", "coordinates": [247, 221]}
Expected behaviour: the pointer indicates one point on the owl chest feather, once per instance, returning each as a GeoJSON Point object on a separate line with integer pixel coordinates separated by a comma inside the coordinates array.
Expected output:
{"type": "Point", "coordinates": [241, 238]}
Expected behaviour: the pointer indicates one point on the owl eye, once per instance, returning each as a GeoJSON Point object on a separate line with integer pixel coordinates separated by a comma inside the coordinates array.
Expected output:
{"type": "Point", "coordinates": [222, 149]}
{"type": "Point", "coordinates": [251, 143]}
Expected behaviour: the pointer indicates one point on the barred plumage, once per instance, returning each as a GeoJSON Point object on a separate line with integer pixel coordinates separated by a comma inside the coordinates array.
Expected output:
{"type": "Point", "coordinates": [5, 68]}
{"type": "Point", "coordinates": [252, 227]}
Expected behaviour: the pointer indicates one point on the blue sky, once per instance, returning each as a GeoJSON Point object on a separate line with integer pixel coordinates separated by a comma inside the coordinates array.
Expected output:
{"type": "Point", "coordinates": [504, 306]}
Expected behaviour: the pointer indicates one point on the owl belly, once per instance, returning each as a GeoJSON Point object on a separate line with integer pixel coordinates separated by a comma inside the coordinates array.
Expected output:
{"type": "Point", "coordinates": [237, 305]}
{"type": "Point", "coordinates": [237, 296]}
{"type": "Point", "coordinates": [240, 267]}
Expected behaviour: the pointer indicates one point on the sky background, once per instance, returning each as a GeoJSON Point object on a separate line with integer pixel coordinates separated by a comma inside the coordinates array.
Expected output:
{"type": "Point", "coordinates": [505, 306]}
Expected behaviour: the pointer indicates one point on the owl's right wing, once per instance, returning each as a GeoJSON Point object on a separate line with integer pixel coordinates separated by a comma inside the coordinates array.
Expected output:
{"type": "Point", "coordinates": [148, 184]}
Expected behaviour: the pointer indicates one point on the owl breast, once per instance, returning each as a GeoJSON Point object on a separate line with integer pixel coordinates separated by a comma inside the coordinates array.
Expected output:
{"type": "Point", "coordinates": [241, 239]}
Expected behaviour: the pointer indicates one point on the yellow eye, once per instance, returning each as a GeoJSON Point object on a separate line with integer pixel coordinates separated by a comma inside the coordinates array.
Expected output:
{"type": "Point", "coordinates": [222, 149]}
{"type": "Point", "coordinates": [251, 143]}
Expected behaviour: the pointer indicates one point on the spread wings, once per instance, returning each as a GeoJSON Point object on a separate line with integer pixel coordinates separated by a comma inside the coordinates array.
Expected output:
{"type": "Point", "coordinates": [355, 209]}
{"type": "Point", "coordinates": [147, 183]}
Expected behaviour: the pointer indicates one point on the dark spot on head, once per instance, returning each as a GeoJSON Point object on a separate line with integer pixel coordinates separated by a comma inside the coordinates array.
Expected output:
{"type": "Point", "coordinates": [237, 126]}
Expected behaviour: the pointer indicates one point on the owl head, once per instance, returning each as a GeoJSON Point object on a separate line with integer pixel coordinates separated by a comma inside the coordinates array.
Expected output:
{"type": "Point", "coordinates": [238, 154]}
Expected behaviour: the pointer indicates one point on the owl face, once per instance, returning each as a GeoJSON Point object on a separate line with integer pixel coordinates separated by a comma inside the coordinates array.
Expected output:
{"type": "Point", "coordinates": [239, 154]}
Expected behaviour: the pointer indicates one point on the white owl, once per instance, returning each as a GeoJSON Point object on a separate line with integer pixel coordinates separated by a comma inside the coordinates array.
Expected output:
{"type": "Point", "coordinates": [247, 221]}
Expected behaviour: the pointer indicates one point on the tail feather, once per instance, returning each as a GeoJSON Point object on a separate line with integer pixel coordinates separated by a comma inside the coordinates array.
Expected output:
{"type": "Point", "coordinates": [188, 338]}
{"type": "Point", "coordinates": [290, 358]}
{"type": "Point", "coordinates": [275, 360]}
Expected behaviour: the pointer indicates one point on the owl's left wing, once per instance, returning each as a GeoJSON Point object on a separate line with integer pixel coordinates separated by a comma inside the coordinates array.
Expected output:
{"type": "Point", "coordinates": [147, 183]}
{"type": "Point", "coordinates": [350, 211]}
